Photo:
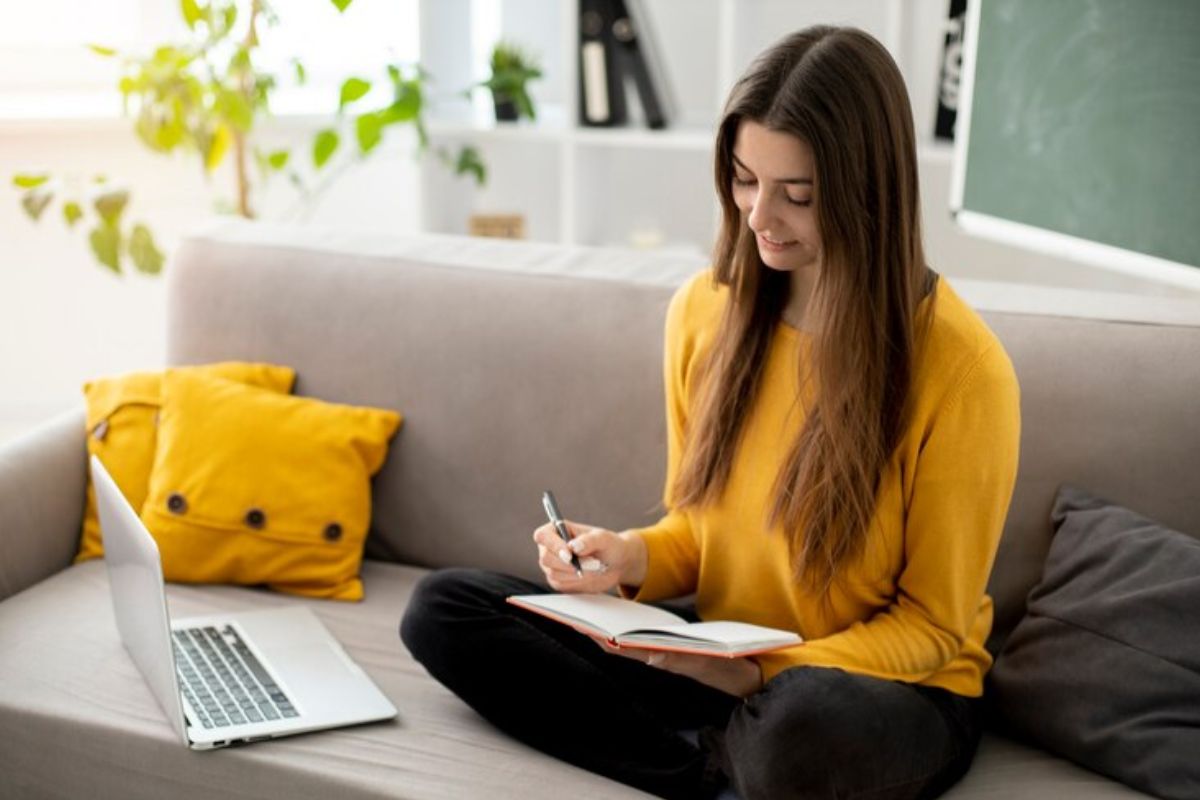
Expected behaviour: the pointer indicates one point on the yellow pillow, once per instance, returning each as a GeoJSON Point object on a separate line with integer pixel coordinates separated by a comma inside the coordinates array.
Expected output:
{"type": "Point", "coordinates": [254, 487]}
{"type": "Point", "coordinates": [122, 414]}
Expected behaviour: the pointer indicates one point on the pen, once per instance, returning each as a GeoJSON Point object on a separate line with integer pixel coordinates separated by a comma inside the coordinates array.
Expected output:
{"type": "Point", "coordinates": [561, 526]}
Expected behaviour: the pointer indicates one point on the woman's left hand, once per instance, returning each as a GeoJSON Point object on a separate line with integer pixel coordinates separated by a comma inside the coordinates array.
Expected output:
{"type": "Point", "coordinates": [739, 677]}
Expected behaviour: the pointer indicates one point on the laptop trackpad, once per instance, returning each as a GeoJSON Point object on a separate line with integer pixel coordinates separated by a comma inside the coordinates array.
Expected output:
{"type": "Point", "coordinates": [326, 684]}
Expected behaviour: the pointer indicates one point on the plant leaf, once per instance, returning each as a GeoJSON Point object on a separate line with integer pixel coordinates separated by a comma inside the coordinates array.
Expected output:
{"type": "Point", "coordinates": [145, 254]}
{"type": "Point", "coordinates": [469, 161]}
{"type": "Point", "coordinates": [191, 13]}
{"type": "Point", "coordinates": [407, 104]}
{"type": "Point", "coordinates": [341, 4]}
{"type": "Point", "coordinates": [217, 148]}
{"type": "Point", "coordinates": [106, 246]}
{"type": "Point", "coordinates": [279, 159]}
{"type": "Point", "coordinates": [110, 204]}
{"type": "Point", "coordinates": [352, 89]}
{"type": "Point", "coordinates": [240, 62]}
{"type": "Point", "coordinates": [27, 180]}
{"type": "Point", "coordinates": [301, 73]}
{"type": "Point", "coordinates": [71, 213]}
{"type": "Point", "coordinates": [525, 104]}
{"type": "Point", "coordinates": [35, 203]}
{"type": "Point", "coordinates": [229, 17]}
{"type": "Point", "coordinates": [159, 133]}
{"type": "Point", "coordinates": [369, 130]}
{"type": "Point", "coordinates": [323, 146]}
{"type": "Point", "coordinates": [235, 108]}
{"type": "Point", "coordinates": [101, 50]}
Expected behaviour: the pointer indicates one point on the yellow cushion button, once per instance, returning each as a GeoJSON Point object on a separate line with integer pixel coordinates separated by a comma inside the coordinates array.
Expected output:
{"type": "Point", "coordinates": [256, 519]}
{"type": "Point", "coordinates": [176, 504]}
{"type": "Point", "coordinates": [333, 532]}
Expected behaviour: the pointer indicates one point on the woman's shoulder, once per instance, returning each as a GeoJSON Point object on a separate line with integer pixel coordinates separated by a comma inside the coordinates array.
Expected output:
{"type": "Point", "coordinates": [697, 303]}
{"type": "Point", "coordinates": [960, 344]}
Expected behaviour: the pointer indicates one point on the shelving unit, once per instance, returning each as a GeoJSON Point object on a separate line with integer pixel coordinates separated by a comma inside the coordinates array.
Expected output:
{"type": "Point", "coordinates": [631, 185]}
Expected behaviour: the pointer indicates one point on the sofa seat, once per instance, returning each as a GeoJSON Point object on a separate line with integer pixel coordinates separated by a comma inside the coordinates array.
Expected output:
{"type": "Point", "coordinates": [74, 699]}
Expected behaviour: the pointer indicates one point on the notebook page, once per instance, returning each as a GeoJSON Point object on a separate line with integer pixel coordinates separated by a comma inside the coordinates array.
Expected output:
{"type": "Point", "coordinates": [612, 614]}
{"type": "Point", "coordinates": [731, 633]}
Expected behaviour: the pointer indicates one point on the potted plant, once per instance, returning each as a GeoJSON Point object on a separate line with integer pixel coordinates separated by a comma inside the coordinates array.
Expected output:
{"type": "Point", "coordinates": [512, 68]}
{"type": "Point", "coordinates": [193, 96]}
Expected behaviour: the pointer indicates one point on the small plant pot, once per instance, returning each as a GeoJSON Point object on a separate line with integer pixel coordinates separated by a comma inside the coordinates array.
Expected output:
{"type": "Point", "coordinates": [506, 110]}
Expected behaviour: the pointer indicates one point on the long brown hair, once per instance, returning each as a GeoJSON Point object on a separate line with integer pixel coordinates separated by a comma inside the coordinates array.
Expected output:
{"type": "Point", "coordinates": [838, 90]}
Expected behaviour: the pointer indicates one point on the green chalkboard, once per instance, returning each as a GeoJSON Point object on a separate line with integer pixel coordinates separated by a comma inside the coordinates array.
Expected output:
{"type": "Point", "coordinates": [1085, 120]}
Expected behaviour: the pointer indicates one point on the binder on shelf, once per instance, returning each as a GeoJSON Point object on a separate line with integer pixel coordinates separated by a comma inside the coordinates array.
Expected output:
{"type": "Point", "coordinates": [636, 57]}
{"type": "Point", "coordinates": [951, 72]}
{"type": "Point", "coordinates": [601, 90]}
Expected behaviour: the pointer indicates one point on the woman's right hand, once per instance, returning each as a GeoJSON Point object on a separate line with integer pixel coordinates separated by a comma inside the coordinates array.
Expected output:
{"type": "Point", "coordinates": [607, 558]}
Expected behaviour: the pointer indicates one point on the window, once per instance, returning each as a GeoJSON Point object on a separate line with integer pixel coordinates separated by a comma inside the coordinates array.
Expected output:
{"type": "Point", "coordinates": [333, 46]}
{"type": "Point", "coordinates": [47, 70]}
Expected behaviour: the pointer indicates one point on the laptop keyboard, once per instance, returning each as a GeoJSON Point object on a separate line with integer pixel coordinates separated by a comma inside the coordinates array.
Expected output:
{"type": "Point", "coordinates": [223, 681]}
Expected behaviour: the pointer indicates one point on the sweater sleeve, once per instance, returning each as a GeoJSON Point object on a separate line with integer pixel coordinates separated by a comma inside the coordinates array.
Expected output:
{"type": "Point", "coordinates": [963, 483]}
{"type": "Point", "coordinates": [673, 555]}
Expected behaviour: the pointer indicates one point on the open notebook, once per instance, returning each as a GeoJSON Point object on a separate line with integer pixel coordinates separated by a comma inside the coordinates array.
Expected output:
{"type": "Point", "coordinates": [625, 623]}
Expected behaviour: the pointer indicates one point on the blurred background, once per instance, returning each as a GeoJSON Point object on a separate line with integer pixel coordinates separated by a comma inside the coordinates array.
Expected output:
{"type": "Point", "coordinates": [126, 124]}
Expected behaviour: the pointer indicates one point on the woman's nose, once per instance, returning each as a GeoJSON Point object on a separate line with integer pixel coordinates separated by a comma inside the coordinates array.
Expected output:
{"type": "Point", "coordinates": [761, 213]}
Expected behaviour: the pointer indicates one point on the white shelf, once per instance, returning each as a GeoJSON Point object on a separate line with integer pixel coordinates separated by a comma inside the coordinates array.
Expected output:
{"type": "Point", "coordinates": [497, 131]}
{"type": "Point", "coordinates": [699, 141]}
{"type": "Point", "coordinates": [594, 186]}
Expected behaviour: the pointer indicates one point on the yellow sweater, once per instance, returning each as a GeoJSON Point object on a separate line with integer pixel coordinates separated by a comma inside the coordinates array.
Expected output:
{"type": "Point", "coordinates": [913, 609]}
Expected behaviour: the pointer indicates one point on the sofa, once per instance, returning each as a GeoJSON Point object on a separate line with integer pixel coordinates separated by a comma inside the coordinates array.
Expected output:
{"type": "Point", "coordinates": [518, 367]}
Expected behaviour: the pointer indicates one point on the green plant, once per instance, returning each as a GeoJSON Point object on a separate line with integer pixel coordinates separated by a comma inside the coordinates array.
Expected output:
{"type": "Point", "coordinates": [205, 96]}
{"type": "Point", "coordinates": [512, 68]}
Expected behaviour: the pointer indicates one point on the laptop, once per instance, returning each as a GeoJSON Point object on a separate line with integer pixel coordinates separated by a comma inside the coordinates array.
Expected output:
{"type": "Point", "coordinates": [231, 677]}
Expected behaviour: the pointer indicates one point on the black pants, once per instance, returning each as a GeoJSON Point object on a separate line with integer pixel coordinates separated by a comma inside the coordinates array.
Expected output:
{"type": "Point", "coordinates": [810, 732]}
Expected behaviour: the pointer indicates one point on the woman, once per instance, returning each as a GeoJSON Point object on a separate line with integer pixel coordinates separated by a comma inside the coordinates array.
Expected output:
{"type": "Point", "coordinates": [842, 448]}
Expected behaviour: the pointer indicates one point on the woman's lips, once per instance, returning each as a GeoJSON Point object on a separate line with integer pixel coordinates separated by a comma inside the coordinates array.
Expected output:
{"type": "Point", "coordinates": [772, 245]}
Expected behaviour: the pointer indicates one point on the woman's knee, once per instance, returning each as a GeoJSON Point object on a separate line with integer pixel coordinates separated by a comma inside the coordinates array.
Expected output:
{"type": "Point", "coordinates": [437, 601]}
{"type": "Point", "coordinates": [796, 738]}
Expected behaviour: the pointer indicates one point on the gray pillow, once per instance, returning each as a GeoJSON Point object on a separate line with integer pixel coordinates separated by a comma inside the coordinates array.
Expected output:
{"type": "Point", "coordinates": [1104, 669]}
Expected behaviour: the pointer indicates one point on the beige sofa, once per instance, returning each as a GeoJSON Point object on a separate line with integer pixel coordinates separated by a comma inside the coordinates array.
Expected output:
{"type": "Point", "coordinates": [518, 367]}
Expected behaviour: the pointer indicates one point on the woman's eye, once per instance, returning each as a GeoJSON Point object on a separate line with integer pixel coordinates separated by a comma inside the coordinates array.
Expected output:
{"type": "Point", "coordinates": [800, 202]}
{"type": "Point", "coordinates": [742, 181]}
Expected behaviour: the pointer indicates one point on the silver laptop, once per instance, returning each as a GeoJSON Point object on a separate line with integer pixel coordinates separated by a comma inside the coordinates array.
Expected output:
{"type": "Point", "coordinates": [233, 677]}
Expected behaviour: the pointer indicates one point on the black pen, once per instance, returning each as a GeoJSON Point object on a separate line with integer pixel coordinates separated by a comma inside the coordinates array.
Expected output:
{"type": "Point", "coordinates": [561, 526]}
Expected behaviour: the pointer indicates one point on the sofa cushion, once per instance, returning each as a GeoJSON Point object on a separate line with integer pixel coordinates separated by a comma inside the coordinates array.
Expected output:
{"type": "Point", "coordinates": [77, 720]}
{"type": "Point", "coordinates": [122, 415]}
{"type": "Point", "coordinates": [250, 486]}
{"type": "Point", "coordinates": [1105, 666]}
{"type": "Point", "coordinates": [1107, 405]}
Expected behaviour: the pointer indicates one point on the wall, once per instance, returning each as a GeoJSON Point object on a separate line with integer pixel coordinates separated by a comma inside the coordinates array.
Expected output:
{"type": "Point", "coordinates": [65, 319]}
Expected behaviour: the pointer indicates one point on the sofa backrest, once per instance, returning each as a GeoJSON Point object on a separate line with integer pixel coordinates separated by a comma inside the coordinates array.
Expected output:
{"type": "Point", "coordinates": [510, 382]}
{"type": "Point", "coordinates": [521, 367]}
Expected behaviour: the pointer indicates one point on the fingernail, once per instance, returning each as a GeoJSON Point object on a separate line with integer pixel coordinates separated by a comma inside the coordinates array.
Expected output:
{"type": "Point", "coordinates": [591, 565]}
{"type": "Point", "coordinates": [575, 545]}
{"type": "Point", "coordinates": [565, 556]}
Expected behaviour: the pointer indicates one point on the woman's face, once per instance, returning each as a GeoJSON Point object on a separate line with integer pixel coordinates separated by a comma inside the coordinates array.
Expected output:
{"type": "Point", "coordinates": [773, 186]}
